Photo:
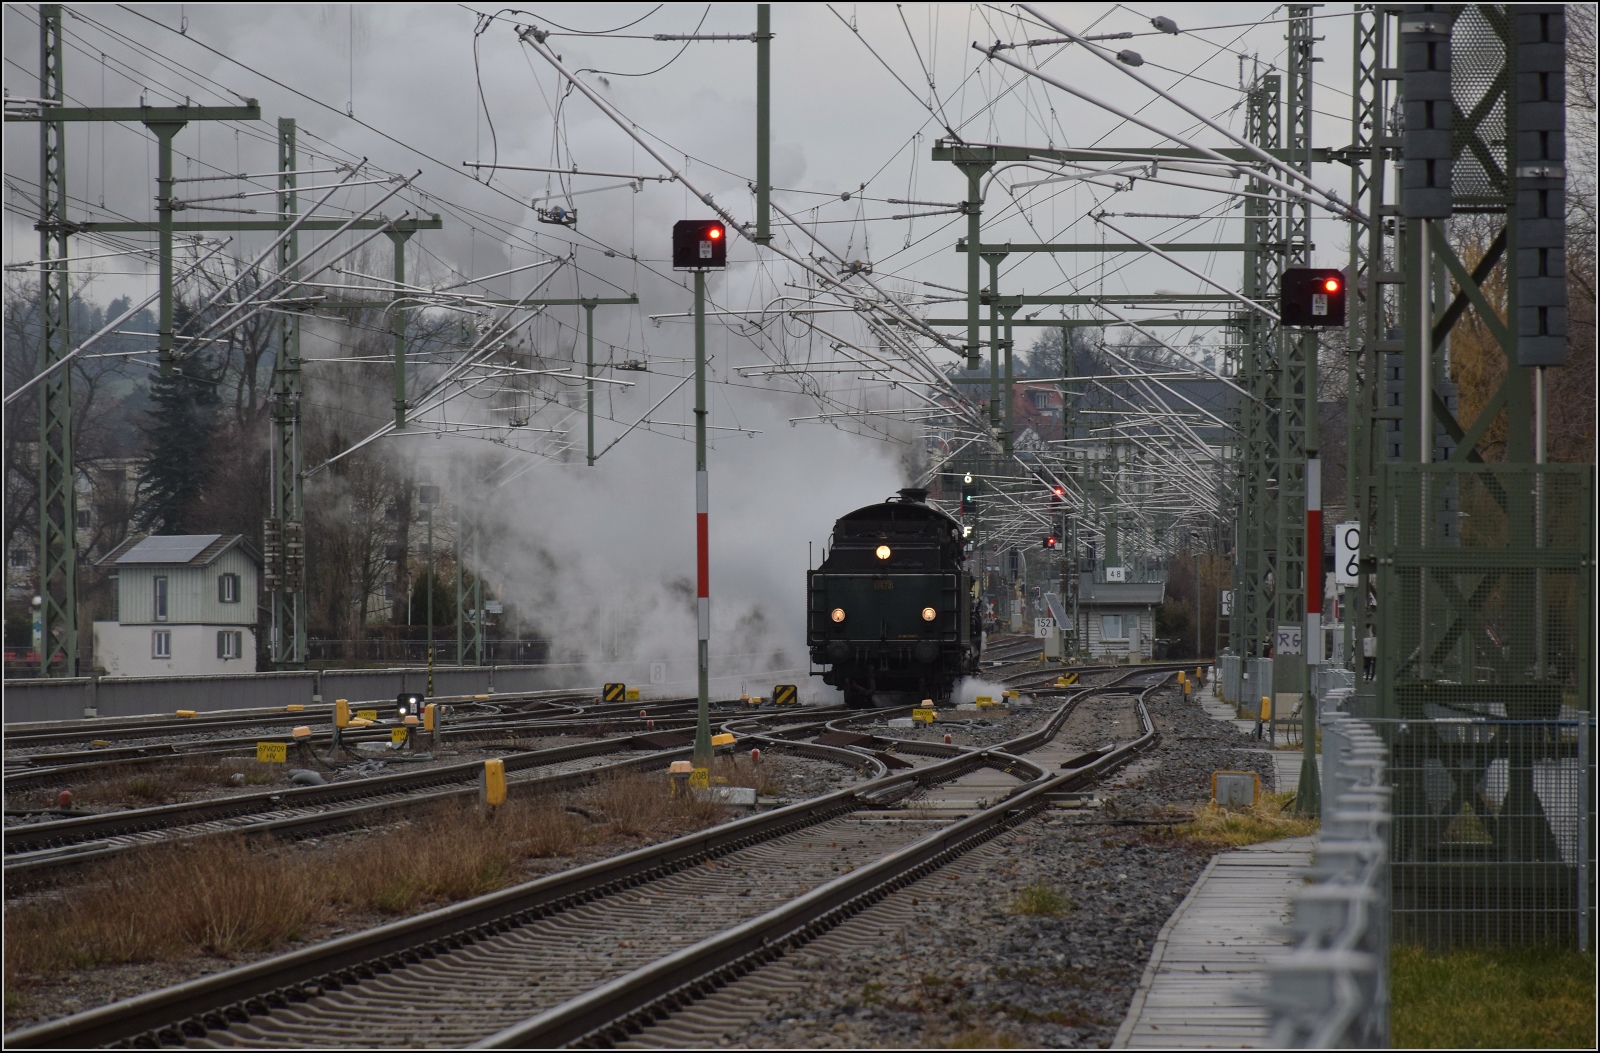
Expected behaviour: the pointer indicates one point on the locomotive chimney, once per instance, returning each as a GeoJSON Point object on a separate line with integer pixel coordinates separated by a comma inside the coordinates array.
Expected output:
{"type": "Point", "coordinates": [914, 494]}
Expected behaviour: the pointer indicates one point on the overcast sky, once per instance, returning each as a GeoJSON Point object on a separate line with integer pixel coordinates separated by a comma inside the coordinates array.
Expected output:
{"type": "Point", "coordinates": [860, 94]}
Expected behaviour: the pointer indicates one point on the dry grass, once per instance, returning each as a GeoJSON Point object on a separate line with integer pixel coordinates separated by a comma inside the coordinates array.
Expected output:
{"type": "Point", "coordinates": [637, 805]}
{"type": "Point", "coordinates": [229, 896]}
{"type": "Point", "coordinates": [766, 777]}
{"type": "Point", "coordinates": [170, 782]}
{"type": "Point", "coordinates": [224, 896]}
{"type": "Point", "coordinates": [460, 853]}
{"type": "Point", "coordinates": [217, 896]}
{"type": "Point", "coordinates": [1233, 828]}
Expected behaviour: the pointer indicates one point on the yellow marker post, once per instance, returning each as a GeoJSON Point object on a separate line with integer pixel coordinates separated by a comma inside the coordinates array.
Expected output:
{"type": "Point", "coordinates": [272, 752]}
{"type": "Point", "coordinates": [981, 700]}
{"type": "Point", "coordinates": [1266, 708]}
{"type": "Point", "coordinates": [429, 719]}
{"type": "Point", "coordinates": [492, 788]}
{"type": "Point", "coordinates": [700, 778]}
{"type": "Point", "coordinates": [341, 713]}
{"type": "Point", "coordinates": [923, 716]}
{"type": "Point", "coordinates": [633, 694]}
{"type": "Point", "coordinates": [678, 775]}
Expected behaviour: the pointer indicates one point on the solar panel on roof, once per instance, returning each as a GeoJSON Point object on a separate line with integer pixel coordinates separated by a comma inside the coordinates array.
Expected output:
{"type": "Point", "coordinates": [168, 548]}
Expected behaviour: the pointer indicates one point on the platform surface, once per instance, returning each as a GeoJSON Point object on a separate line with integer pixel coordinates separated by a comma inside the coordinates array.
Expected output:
{"type": "Point", "coordinates": [1202, 987]}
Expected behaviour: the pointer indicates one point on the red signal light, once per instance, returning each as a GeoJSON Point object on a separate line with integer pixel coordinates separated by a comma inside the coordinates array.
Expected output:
{"type": "Point", "coordinates": [1331, 285]}
{"type": "Point", "coordinates": [714, 233]}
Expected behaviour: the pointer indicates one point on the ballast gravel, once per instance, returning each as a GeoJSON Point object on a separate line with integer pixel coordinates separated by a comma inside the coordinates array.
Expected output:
{"type": "Point", "coordinates": [951, 960]}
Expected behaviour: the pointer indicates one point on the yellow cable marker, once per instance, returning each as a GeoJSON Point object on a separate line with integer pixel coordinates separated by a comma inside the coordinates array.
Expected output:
{"type": "Point", "coordinates": [724, 739]}
{"type": "Point", "coordinates": [341, 713]}
{"type": "Point", "coordinates": [185, 712]}
{"type": "Point", "coordinates": [428, 717]}
{"type": "Point", "coordinates": [493, 787]}
{"type": "Point", "coordinates": [294, 707]}
{"type": "Point", "coordinates": [301, 732]}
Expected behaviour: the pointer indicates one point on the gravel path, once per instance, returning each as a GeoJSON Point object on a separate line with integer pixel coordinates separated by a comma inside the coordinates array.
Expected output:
{"type": "Point", "coordinates": [952, 960]}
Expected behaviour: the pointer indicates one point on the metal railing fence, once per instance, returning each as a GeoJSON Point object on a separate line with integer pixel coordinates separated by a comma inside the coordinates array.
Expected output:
{"type": "Point", "coordinates": [1332, 989]}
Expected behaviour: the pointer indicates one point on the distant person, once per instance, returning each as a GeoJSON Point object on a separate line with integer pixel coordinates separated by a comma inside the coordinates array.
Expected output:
{"type": "Point", "coordinates": [1369, 654]}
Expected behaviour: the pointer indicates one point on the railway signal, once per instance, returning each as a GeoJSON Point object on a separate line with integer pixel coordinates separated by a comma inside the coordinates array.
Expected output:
{"type": "Point", "coordinates": [1051, 541]}
{"type": "Point", "coordinates": [1312, 297]}
{"type": "Point", "coordinates": [699, 245]}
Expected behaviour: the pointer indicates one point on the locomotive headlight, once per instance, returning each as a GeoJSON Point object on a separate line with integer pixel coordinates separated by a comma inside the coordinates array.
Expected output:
{"type": "Point", "coordinates": [883, 552]}
{"type": "Point", "coordinates": [929, 614]}
{"type": "Point", "coordinates": [837, 615]}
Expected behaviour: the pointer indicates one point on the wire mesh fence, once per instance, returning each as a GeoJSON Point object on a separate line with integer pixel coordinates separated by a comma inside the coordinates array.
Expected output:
{"type": "Point", "coordinates": [1485, 695]}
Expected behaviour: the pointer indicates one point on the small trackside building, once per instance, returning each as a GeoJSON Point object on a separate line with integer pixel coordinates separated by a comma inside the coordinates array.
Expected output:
{"type": "Point", "coordinates": [1121, 616]}
{"type": "Point", "coordinates": [185, 606]}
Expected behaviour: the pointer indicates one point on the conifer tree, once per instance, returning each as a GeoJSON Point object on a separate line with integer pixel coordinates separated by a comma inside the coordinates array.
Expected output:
{"type": "Point", "coordinates": [179, 429]}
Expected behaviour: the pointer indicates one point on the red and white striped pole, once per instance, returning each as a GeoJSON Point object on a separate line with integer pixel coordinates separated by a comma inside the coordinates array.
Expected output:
{"type": "Point", "coordinates": [1313, 561]}
{"type": "Point", "coordinates": [702, 529]}
{"type": "Point", "coordinates": [1308, 792]}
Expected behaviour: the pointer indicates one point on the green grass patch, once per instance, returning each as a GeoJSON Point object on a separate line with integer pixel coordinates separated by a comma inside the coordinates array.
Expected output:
{"type": "Point", "coordinates": [1040, 898]}
{"type": "Point", "coordinates": [1485, 998]}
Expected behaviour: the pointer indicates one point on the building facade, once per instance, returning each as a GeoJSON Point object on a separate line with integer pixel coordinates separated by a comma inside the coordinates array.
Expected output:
{"type": "Point", "coordinates": [186, 605]}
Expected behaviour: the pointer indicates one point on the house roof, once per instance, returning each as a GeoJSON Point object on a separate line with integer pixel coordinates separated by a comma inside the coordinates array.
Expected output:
{"type": "Point", "coordinates": [1107, 593]}
{"type": "Point", "coordinates": [175, 550]}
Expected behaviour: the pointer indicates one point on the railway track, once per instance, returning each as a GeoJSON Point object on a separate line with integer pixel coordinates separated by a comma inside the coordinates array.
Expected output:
{"type": "Point", "coordinates": [24, 736]}
{"type": "Point", "coordinates": [51, 769]}
{"type": "Point", "coordinates": [36, 851]}
{"type": "Point", "coordinates": [592, 953]}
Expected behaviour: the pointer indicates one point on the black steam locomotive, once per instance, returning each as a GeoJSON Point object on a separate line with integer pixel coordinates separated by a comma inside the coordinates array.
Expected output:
{"type": "Point", "coordinates": [891, 610]}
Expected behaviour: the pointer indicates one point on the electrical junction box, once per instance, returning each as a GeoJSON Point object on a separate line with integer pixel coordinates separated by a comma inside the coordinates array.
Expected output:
{"type": "Point", "coordinates": [1235, 789]}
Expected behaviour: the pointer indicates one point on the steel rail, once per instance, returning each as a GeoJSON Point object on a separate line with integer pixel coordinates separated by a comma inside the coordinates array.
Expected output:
{"type": "Point", "coordinates": [607, 1014]}
{"type": "Point", "coordinates": [211, 1002]}
{"type": "Point", "coordinates": [44, 848]}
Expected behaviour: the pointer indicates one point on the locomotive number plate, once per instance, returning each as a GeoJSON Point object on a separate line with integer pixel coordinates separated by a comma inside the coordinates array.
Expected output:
{"type": "Point", "coordinates": [883, 585]}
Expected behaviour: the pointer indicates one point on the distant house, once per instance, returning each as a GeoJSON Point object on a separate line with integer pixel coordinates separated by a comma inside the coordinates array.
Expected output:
{"type": "Point", "coordinates": [185, 606]}
{"type": "Point", "coordinates": [1120, 616]}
